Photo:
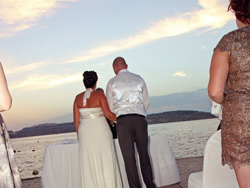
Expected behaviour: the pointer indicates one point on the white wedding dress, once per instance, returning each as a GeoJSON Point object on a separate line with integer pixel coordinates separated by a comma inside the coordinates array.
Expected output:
{"type": "Point", "coordinates": [98, 160]}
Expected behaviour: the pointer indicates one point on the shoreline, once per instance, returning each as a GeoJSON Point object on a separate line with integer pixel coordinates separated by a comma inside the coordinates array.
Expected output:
{"type": "Point", "coordinates": [152, 119]}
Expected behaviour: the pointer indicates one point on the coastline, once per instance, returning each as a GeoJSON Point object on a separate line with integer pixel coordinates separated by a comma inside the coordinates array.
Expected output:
{"type": "Point", "coordinates": [152, 119]}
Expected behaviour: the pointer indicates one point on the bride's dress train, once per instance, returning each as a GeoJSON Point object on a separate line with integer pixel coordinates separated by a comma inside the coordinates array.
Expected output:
{"type": "Point", "coordinates": [98, 161]}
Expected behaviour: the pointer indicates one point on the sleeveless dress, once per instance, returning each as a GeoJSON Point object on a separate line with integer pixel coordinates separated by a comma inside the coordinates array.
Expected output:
{"type": "Point", "coordinates": [235, 130]}
{"type": "Point", "coordinates": [9, 175]}
{"type": "Point", "coordinates": [99, 168]}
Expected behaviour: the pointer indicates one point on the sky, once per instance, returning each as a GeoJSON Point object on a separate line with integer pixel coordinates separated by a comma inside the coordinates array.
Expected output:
{"type": "Point", "coordinates": [46, 45]}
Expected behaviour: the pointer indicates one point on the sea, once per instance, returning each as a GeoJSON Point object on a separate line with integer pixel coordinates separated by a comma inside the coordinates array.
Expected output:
{"type": "Point", "coordinates": [186, 139]}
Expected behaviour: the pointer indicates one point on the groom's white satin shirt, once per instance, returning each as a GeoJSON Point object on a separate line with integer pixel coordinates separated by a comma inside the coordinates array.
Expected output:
{"type": "Point", "coordinates": [127, 94]}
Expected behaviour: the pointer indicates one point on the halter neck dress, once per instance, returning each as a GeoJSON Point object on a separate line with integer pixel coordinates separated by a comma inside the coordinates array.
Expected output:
{"type": "Point", "coordinates": [99, 168]}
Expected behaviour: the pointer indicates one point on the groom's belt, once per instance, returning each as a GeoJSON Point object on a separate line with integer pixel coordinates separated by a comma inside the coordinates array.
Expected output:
{"type": "Point", "coordinates": [127, 115]}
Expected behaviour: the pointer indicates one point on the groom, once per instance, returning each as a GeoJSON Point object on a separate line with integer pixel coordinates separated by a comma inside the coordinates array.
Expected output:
{"type": "Point", "coordinates": [127, 96]}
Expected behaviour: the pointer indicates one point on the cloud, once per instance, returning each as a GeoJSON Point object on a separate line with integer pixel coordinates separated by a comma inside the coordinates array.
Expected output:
{"type": "Point", "coordinates": [24, 68]}
{"type": "Point", "coordinates": [104, 63]}
{"type": "Point", "coordinates": [16, 15]}
{"type": "Point", "coordinates": [35, 82]}
{"type": "Point", "coordinates": [212, 15]}
{"type": "Point", "coordinates": [179, 74]}
{"type": "Point", "coordinates": [203, 47]}
{"type": "Point", "coordinates": [19, 15]}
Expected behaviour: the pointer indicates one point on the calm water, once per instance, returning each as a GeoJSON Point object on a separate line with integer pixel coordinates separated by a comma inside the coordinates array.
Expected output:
{"type": "Point", "coordinates": [187, 139]}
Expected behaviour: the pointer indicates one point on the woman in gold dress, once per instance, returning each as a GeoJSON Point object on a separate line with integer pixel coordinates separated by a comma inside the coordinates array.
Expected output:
{"type": "Point", "coordinates": [230, 68]}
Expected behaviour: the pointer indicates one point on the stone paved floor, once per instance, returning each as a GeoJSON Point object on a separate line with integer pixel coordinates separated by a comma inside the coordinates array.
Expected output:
{"type": "Point", "coordinates": [186, 166]}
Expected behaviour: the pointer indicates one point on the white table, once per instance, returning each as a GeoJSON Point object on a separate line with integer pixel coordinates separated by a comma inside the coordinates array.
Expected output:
{"type": "Point", "coordinates": [61, 164]}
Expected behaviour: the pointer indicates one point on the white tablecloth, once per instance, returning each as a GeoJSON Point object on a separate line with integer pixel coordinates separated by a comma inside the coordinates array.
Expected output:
{"type": "Point", "coordinates": [61, 164]}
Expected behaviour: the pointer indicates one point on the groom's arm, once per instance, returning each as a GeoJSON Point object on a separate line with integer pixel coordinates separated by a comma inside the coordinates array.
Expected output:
{"type": "Point", "coordinates": [145, 95]}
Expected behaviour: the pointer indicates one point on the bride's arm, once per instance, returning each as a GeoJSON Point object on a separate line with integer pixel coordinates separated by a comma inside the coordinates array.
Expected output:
{"type": "Point", "coordinates": [105, 108]}
{"type": "Point", "coordinates": [76, 116]}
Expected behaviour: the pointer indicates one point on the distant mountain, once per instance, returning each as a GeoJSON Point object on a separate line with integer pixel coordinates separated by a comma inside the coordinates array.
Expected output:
{"type": "Point", "coordinates": [195, 100]}
{"type": "Point", "coordinates": [175, 116]}
{"type": "Point", "coordinates": [44, 129]}
{"type": "Point", "coordinates": [164, 117]}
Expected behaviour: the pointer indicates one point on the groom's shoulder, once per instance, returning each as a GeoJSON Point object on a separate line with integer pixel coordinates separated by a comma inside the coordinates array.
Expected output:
{"type": "Point", "coordinates": [111, 81]}
{"type": "Point", "coordinates": [134, 76]}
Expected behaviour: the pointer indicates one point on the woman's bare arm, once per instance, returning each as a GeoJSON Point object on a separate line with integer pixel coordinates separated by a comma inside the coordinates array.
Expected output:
{"type": "Point", "coordinates": [5, 97]}
{"type": "Point", "coordinates": [219, 69]}
{"type": "Point", "coordinates": [76, 116]}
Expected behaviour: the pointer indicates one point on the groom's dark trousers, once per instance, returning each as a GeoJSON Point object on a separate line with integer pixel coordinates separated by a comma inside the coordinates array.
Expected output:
{"type": "Point", "coordinates": [133, 128]}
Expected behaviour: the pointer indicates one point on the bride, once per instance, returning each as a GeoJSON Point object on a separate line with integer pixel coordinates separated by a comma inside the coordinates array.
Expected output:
{"type": "Point", "coordinates": [98, 161]}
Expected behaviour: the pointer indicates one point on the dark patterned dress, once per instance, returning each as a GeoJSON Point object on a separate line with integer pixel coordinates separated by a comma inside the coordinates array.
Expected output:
{"type": "Point", "coordinates": [235, 131]}
{"type": "Point", "coordinates": [9, 175]}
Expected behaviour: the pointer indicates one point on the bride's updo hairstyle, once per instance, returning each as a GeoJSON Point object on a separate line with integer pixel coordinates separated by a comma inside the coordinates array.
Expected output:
{"type": "Point", "coordinates": [89, 79]}
{"type": "Point", "coordinates": [241, 8]}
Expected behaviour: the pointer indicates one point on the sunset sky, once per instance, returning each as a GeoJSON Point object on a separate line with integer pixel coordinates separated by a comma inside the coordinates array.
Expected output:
{"type": "Point", "coordinates": [46, 45]}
